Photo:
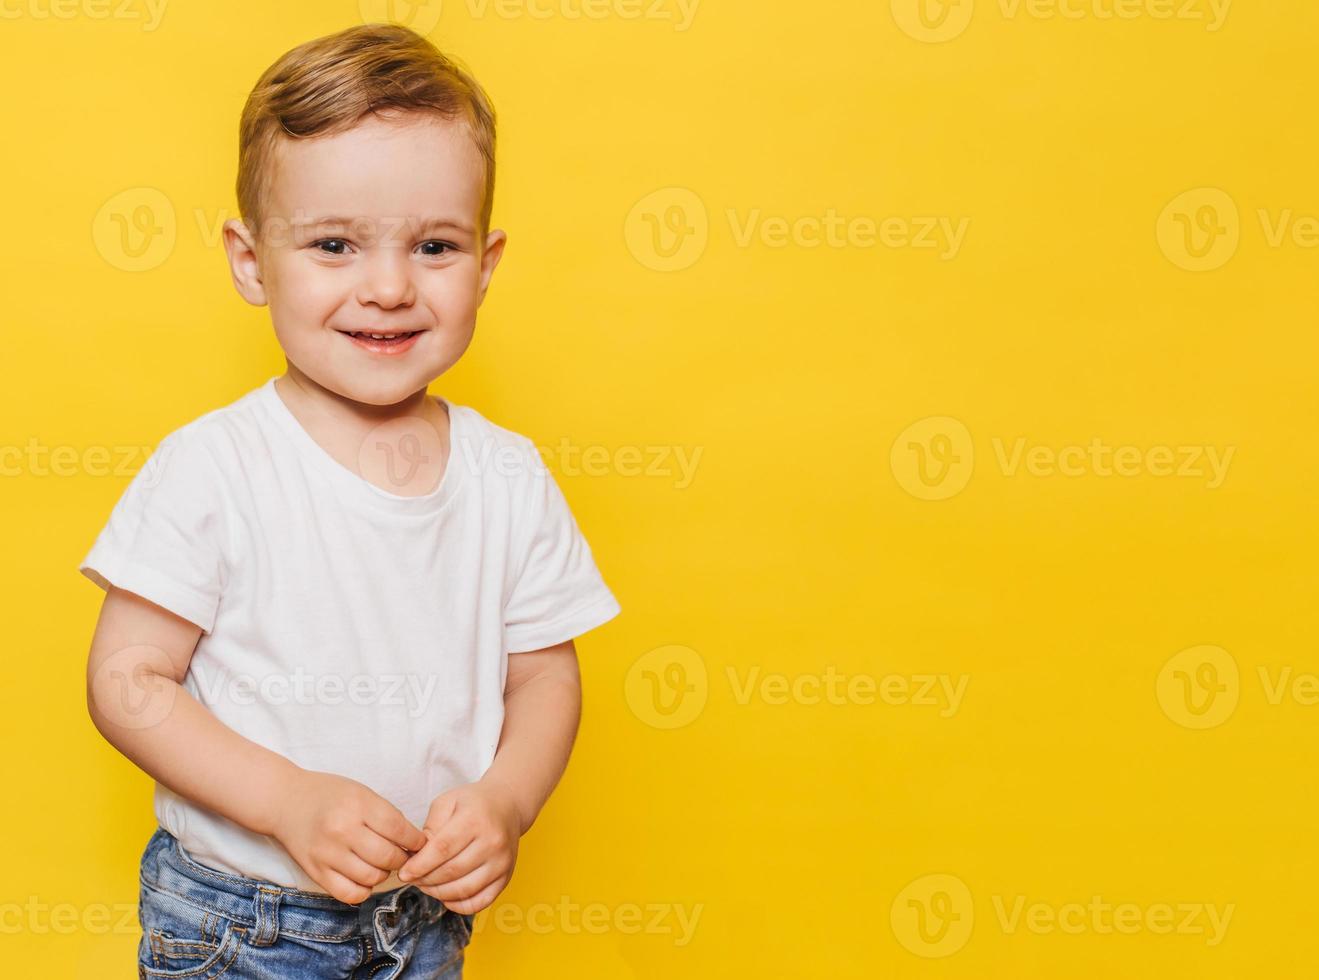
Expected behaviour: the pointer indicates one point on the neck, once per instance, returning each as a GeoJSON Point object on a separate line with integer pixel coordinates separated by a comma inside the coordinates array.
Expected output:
{"type": "Point", "coordinates": [301, 389]}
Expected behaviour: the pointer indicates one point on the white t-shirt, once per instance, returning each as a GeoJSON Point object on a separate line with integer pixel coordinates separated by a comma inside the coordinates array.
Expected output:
{"type": "Point", "coordinates": [346, 628]}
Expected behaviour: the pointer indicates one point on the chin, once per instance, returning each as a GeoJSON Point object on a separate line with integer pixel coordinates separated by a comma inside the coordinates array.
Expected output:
{"type": "Point", "coordinates": [379, 385]}
{"type": "Point", "coordinates": [390, 388]}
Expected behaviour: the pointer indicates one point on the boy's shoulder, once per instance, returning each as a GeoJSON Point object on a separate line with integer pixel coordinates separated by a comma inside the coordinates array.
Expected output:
{"type": "Point", "coordinates": [216, 432]}
{"type": "Point", "coordinates": [493, 448]}
{"type": "Point", "coordinates": [483, 427]}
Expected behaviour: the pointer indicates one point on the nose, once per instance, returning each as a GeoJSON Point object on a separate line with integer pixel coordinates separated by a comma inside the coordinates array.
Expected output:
{"type": "Point", "coordinates": [386, 279]}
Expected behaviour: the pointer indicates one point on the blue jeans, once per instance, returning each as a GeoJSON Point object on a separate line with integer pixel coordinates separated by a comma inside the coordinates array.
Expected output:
{"type": "Point", "coordinates": [201, 923]}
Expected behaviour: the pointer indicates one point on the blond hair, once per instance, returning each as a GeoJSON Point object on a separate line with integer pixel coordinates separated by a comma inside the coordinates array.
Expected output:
{"type": "Point", "coordinates": [328, 84]}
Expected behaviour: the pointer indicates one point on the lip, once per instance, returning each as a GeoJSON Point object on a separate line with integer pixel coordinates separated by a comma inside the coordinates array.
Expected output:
{"type": "Point", "coordinates": [386, 347]}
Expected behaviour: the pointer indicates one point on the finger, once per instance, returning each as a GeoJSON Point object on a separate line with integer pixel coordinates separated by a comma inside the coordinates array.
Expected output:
{"type": "Point", "coordinates": [442, 846]}
{"type": "Point", "coordinates": [464, 862]}
{"type": "Point", "coordinates": [476, 902]}
{"type": "Point", "coordinates": [358, 871]}
{"type": "Point", "coordinates": [377, 851]}
{"type": "Point", "coordinates": [348, 892]}
{"type": "Point", "coordinates": [466, 886]}
{"type": "Point", "coordinates": [387, 821]}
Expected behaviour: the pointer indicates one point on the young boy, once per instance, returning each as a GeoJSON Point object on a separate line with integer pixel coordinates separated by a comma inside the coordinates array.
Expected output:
{"type": "Point", "coordinates": [339, 614]}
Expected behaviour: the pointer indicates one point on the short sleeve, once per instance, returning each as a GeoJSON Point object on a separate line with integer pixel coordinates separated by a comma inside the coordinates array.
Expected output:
{"type": "Point", "coordinates": [559, 593]}
{"type": "Point", "coordinates": [163, 540]}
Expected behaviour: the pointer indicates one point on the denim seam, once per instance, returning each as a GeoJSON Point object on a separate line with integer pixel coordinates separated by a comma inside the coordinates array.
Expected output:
{"type": "Point", "coordinates": [236, 940]}
{"type": "Point", "coordinates": [196, 903]}
{"type": "Point", "coordinates": [366, 955]}
{"type": "Point", "coordinates": [267, 897]}
{"type": "Point", "coordinates": [200, 905]}
{"type": "Point", "coordinates": [175, 943]}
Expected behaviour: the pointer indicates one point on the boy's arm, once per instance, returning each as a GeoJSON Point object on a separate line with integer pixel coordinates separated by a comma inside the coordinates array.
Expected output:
{"type": "Point", "coordinates": [344, 835]}
{"type": "Point", "coordinates": [474, 828]}
{"type": "Point", "coordinates": [139, 656]}
{"type": "Point", "coordinates": [542, 710]}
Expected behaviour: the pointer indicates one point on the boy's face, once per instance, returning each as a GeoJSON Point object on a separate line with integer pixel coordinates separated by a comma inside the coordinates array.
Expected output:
{"type": "Point", "coordinates": [374, 230]}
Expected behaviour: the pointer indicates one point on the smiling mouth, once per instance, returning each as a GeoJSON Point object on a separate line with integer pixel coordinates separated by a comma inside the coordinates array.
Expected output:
{"type": "Point", "coordinates": [382, 342]}
{"type": "Point", "coordinates": [375, 335]}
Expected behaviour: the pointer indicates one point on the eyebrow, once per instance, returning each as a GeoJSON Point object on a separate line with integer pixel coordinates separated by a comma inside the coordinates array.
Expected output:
{"type": "Point", "coordinates": [426, 224]}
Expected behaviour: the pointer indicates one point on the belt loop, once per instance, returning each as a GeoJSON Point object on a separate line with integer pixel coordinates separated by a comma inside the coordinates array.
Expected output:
{"type": "Point", "coordinates": [267, 915]}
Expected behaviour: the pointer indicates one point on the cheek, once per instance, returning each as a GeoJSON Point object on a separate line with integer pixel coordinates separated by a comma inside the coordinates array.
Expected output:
{"type": "Point", "coordinates": [305, 295]}
{"type": "Point", "coordinates": [454, 297]}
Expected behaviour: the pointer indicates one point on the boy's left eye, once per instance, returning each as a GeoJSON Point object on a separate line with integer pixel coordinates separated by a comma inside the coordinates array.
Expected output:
{"type": "Point", "coordinates": [337, 246]}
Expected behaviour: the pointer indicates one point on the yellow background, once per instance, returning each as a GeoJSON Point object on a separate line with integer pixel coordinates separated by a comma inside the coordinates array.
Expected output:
{"type": "Point", "coordinates": [628, 312]}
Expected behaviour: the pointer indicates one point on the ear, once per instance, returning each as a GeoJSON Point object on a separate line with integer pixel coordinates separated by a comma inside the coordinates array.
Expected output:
{"type": "Point", "coordinates": [244, 262]}
{"type": "Point", "coordinates": [490, 256]}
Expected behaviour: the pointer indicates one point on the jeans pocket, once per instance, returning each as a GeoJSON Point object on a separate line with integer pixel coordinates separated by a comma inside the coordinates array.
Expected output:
{"type": "Point", "coordinates": [181, 940]}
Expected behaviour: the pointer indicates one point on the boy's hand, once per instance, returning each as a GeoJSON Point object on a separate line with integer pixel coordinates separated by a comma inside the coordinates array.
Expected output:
{"type": "Point", "coordinates": [343, 834]}
{"type": "Point", "coordinates": [474, 831]}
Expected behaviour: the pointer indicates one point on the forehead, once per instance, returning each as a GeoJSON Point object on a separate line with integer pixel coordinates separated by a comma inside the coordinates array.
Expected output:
{"type": "Point", "coordinates": [381, 168]}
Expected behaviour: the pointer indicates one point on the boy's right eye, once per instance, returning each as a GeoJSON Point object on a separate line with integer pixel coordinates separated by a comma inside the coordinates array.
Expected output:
{"type": "Point", "coordinates": [333, 246]}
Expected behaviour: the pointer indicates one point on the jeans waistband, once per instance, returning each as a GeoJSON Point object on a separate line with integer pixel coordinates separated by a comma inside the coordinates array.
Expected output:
{"type": "Point", "coordinates": [269, 909]}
